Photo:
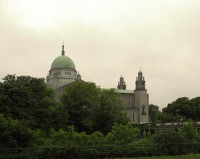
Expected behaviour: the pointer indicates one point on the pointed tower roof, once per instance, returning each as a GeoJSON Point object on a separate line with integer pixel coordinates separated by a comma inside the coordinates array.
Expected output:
{"type": "Point", "coordinates": [121, 83]}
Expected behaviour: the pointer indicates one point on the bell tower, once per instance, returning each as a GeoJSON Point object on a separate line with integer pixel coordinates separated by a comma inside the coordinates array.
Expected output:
{"type": "Point", "coordinates": [141, 100]}
{"type": "Point", "coordinates": [121, 84]}
{"type": "Point", "coordinates": [140, 82]}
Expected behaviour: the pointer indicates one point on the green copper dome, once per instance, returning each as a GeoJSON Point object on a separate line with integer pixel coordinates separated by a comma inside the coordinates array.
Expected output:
{"type": "Point", "coordinates": [63, 62]}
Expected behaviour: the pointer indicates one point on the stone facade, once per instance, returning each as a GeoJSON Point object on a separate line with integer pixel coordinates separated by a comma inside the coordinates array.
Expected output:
{"type": "Point", "coordinates": [135, 102]}
{"type": "Point", "coordinates": [60, 77]}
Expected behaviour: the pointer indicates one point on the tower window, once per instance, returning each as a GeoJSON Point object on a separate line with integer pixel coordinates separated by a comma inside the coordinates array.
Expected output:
{"type": "Point", "coordinates": [143, 110]}
{"type": "Point", "coordinates": [68, 73]}
{"type": "Point", "coordinates": [129, 103]}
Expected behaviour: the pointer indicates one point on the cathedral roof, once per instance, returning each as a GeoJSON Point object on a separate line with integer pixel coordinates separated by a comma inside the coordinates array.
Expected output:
{"type": "Point", "coordinates": [125, 91]}
{"type": "Point", "coordinates": [63, 62]}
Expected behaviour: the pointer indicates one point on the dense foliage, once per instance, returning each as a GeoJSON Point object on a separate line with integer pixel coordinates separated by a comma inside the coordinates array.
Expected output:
{"type": "Point", "coordinates": [153, 112]}
{"type": "Point", "coordinates": [122, 141]}
{"type": "Point", "coordinates": [27, 99]}
{"type": "Point", "coordinates": [28, 110]}
{"type": "Point", "coordinates": [89, 122]}
{"type": "Point", "coordinates": [180, 110]}
{"type": "Point", "coordinates": [14, 133]}
{"type": "Point", "coordinates": [90, 108]}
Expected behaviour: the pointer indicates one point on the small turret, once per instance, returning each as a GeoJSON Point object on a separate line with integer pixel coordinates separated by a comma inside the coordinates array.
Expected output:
{"type": "Point", "coordinates": [121, 84]}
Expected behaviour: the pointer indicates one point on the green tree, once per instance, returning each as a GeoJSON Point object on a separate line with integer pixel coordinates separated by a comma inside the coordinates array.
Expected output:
{"type": "Point", "coordinates": [109, 111]}
{"type": "Point", "coordinates": [27, 98]}
{"type": "Point", "coordinates": [196, 108]}
{"type": "Point", "coordinates": [79, 101]}
{"type": "Point", "coordinates": [189, 132]}
{"type": "Point", "coordinates": [15, 133]}
{"type": "Point", "coordinates": [59, 117]}
{"type": "Point", "coordinates": [153, 112]}
{"type": "Point", "coordinates": [71, 138]}
{"type": "Point", "coordinates": [122, 134]}
{"type": "Point", "coordinates": [96, 138]}
{"type": "Point", "coordinates": [168, 117]}
{"type": "Point", "coordinates": [182, 109]}
{"type": "Point", "coordinates": [90, 108]}
{"type": "Point", "coordinates": [169, 142]}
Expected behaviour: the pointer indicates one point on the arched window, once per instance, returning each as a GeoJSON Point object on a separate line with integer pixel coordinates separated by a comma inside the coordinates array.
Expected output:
{"type": "Point", "coordinates": [143, 110]}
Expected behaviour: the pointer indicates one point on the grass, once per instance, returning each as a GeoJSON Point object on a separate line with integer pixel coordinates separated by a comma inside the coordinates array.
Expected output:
{"type": "Point", "coordinates": [169, 157]}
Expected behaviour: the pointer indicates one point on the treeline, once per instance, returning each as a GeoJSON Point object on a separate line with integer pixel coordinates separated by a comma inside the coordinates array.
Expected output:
{"type": "Point", "coordinates": [89, 122]}
{"type": "Point", "coordinates": [180, 110]}
{"type": "Point", "coordinates": [27, 106]}
{"type": "Point", "coordinates": [121, 141]}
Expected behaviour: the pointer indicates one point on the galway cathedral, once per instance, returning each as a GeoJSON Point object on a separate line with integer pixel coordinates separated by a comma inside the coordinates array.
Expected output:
{"type": "Point", "coordinates": [136, 102]}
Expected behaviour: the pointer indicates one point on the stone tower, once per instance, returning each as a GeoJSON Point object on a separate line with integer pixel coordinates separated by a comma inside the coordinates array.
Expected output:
{"type": "Point", "coordinates": [141, 100]}
{"type": "Point", "coordinates": [121, 83]}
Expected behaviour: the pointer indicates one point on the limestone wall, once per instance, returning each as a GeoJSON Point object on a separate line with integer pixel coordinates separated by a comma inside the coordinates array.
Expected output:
{"type": "Point", "coordinates": [141, 105]}
{"type": "Point", "coordinates": [58, 78]}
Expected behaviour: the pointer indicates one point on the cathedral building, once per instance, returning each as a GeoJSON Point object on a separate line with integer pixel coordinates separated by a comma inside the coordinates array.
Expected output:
{"type": "Point", "coordinates": [136, 102]}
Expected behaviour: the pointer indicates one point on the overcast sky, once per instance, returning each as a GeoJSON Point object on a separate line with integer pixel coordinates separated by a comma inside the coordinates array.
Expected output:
{"type": "Point", "coordinates": [107, 38]}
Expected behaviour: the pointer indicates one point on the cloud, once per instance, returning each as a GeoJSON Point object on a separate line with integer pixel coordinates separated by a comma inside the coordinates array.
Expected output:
{"type": "Point", "coordinates": [106, 39]}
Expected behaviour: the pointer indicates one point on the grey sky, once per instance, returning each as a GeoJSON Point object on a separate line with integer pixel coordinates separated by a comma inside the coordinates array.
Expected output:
{"type": "Point", "coordinates": [107, 38]}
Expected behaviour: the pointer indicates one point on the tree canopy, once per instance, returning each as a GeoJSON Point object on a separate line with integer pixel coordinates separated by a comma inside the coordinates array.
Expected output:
{"type": "Point", "coordinates": [79, 101]}
{"type": "Point", "coordinates": [89, 122]}
{"type": "Point", "coordinates": [27, 98]}
{"type": "Point", "coordinates": [91, 108]}
{"type": "Point", "coordinates": [153, 112]}
{"type": "Point", "coordinates": [182, 109]}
